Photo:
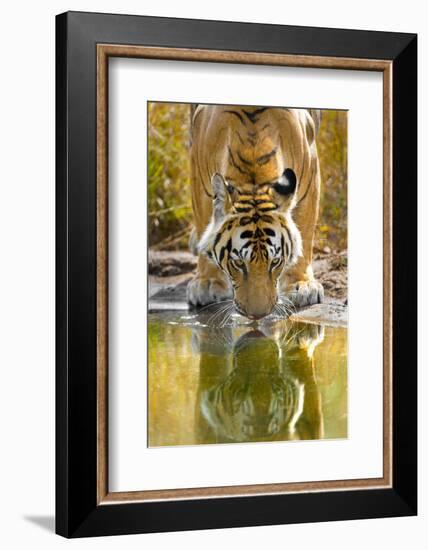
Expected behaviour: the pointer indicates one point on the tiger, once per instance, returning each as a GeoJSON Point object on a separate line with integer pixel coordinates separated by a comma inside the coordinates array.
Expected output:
{"type": "Point", "coordinates": [255, 189]}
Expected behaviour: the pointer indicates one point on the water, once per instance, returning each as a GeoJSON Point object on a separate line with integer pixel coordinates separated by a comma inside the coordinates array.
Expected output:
{"type": "Point", "coordinates": [244, 382]}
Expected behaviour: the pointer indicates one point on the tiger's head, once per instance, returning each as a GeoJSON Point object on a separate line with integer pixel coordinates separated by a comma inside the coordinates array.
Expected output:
{"type": "Point", "coordinates": [253, 239]}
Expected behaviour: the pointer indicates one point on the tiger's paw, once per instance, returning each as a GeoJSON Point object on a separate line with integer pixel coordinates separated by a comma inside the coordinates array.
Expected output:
{"type": "Point", "coordinates": [202, 291]}
{"type": "Point", "coordinates": [305, 293]}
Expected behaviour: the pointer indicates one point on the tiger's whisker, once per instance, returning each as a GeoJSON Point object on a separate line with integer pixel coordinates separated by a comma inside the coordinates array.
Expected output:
{"type": "Point", "coordinates": [214, 304]}
{"type": "Point", "coordinates": [218, 313]}
{"type": "Point", "coordinates": [227, 316]}
{"type": "Point", "coordinates": [215, 315]}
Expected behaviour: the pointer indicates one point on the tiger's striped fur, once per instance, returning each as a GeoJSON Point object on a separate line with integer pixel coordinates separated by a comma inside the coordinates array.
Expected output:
{"type": "Point", "coordinates": [255, 193]}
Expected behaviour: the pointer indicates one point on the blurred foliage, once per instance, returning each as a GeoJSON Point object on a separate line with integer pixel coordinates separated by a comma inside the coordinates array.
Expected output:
{"type": "Point", "coordinates": [170, 211]}
{"type": "Point", "coordinates": [332, 143]}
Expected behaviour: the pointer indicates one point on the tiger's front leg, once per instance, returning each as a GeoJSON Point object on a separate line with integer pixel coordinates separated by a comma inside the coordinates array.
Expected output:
{"type": "Point", "coordinates": [298, 283]}
{"type": "Point", "coordinates": [209, 285]}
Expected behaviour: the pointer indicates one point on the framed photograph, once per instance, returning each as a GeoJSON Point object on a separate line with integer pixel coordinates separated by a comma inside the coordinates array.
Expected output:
{"type": "Point", "coordinates": [236, 274]}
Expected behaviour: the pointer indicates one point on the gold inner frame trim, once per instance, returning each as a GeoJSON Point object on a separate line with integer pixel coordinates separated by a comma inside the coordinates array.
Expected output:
{"type": "Point", "coordinates": [104, 51]}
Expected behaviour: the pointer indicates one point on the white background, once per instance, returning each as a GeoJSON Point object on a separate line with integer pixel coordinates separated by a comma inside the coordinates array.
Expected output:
{"type": "Point", "coordinates": [27, 274]}
{"type": "Point", "coordinates": [134, 81]}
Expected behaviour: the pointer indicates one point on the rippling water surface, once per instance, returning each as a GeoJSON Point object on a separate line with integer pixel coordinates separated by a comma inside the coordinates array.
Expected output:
{"type": "Point", "coordinates": [244, 382]}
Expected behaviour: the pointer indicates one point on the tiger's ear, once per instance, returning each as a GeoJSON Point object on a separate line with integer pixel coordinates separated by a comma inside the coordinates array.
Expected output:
{"type": "Point", "coordinates": [285, 188]}
{"type": "Point", "coordinates": [220, 195]}
{"type": "Point", "coordinates": [221, 191]}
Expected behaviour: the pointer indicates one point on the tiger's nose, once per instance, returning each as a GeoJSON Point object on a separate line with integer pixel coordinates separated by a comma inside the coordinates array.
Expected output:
{"type": "Point", "coordinates": [255, 314]}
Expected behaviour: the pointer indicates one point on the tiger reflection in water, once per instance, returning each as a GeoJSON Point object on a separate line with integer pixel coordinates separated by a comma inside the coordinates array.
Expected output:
{"type": "Point", "coordinates": [266, 392]}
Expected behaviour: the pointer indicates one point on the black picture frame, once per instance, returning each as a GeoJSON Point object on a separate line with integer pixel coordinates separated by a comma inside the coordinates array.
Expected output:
{"type": "Point", "coordinates": [77, 511]}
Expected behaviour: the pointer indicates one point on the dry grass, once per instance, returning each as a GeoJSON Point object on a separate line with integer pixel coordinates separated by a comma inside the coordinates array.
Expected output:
{"type": "Point", "coordinates": [332, 145]}
{"type": "Point", "coordinates": [170, 211]}
{"type": "Point", "coordinates": [168, 172]}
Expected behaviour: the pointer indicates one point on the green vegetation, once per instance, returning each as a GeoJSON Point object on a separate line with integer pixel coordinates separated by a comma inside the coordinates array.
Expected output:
{"type": "Point", "coordinates": [170, 212]}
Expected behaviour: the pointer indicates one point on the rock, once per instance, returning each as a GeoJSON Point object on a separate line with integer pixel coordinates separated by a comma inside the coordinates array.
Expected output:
{"type": "Point", "coordinates": [334, 314]}
{"type": "Point", "coordinates": [168, 292]}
